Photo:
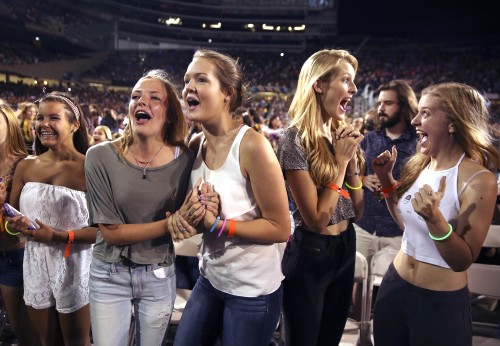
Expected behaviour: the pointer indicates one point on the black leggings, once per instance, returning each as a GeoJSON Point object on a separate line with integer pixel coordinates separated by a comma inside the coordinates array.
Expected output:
{"type": "Point", "coordinates": [319, 275]}
{"type": "Point", "coordinates": [409, 315]}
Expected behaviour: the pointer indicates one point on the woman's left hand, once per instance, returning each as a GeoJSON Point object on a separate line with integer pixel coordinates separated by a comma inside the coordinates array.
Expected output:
{"type": "Point", "coordinates": [425, 202]}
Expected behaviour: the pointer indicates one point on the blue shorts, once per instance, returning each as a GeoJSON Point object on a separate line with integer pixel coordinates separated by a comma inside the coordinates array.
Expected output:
{"type": "Point", "coordinates": [11, 268]}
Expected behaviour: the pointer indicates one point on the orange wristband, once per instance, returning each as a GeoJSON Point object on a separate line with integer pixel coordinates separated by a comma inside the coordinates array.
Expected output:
{"type": "Point", "coordinates": [71, 239]}
{"type": "Point", "coordinates": [386, 191]}
{"type": "Point", "coordinates": [232, 228]}
{"type": "Point", "coordinates": [341, 191]}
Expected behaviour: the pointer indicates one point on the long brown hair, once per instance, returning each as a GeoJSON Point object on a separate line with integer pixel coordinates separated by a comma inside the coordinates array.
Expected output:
{"type": "Point", "coordinates": [466, 109]}
{"type": "Point", "coordinates": [229, 74]}
{"type": "Point", "coordinates": [175, 128]}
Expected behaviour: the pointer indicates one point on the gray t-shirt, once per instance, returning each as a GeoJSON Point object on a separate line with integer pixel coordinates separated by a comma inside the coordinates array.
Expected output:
{"type": "Point", "coordinates": [117, 194]}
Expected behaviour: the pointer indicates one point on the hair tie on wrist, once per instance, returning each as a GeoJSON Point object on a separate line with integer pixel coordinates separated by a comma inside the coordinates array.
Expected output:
{"type": "Point", "coordinates": [222, 227]}
{"type": "Point", "coordinates": [215, 224]}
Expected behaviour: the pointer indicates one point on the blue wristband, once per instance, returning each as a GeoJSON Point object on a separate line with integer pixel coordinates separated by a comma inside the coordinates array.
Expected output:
{"type": "Point", "coordinates": [215, 224]}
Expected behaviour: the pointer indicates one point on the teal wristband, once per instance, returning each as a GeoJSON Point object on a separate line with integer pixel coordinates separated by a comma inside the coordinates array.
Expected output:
{"type": "Point", "coordinates": [446, 236]}
{"type": "Point", "coordinates": [215, 224]}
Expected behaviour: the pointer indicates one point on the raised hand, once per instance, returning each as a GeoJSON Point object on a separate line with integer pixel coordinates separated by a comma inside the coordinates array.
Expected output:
{"type": "Point", "coordinates": [384, 163]}
{"type": "Point", "coordinates": [346, 141]}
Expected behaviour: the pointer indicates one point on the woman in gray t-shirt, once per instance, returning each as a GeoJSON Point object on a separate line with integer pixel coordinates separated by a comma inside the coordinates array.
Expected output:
{"type": "Point", "coordinates": [133, 183]}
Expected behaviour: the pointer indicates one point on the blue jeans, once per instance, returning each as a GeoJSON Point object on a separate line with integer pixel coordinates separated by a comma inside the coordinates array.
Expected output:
{"type": "Point", "coordinates": [244, 321]}
{"type": "Point", "coordinates": [115, 288]}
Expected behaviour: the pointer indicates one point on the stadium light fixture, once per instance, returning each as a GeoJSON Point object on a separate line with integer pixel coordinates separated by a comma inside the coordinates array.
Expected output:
{"type": "Point", "coordinates": [174, 21]}
{"type": "Point", "coordinates": [267, 27]}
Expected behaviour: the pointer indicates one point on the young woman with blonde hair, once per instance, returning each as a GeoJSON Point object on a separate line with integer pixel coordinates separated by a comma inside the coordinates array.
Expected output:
{"type": "Point", "coordinates": [444, 201]}
{"type": "Point", "coordinates": [12, 150]}
{"type": "Point", "coordinates": [320, 156]}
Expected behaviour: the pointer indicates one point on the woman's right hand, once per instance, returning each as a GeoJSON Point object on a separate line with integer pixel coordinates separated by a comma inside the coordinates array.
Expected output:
{"type": "Point", "coordinates": [384, 163]}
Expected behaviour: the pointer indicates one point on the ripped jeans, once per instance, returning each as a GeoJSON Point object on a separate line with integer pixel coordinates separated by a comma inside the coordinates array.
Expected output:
{"type": "Point", "coordinates": [116, 288]}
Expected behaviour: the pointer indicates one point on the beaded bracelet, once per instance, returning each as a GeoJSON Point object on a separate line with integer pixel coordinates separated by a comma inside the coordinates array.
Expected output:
{"type": "Point", "coordinates": [339, 190]}
{"type": "Point", "coordinates": [446, 236]}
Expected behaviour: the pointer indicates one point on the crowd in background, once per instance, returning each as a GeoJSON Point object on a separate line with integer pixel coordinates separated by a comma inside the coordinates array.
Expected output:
{"type": "Point", "coordinates": [272, 82]}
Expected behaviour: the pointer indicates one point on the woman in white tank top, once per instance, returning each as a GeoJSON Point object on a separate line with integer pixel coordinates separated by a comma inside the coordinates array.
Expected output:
{"type": "Point", "coordinates": [444, 202]}
{"type": "Point", "coordinates": [239, 289]}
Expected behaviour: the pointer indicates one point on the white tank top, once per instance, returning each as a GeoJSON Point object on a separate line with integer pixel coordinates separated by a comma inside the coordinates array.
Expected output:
{"type": "Point", "coordinates": [234, 265]}
{"type": "Point", "coordinates": [416, 241]}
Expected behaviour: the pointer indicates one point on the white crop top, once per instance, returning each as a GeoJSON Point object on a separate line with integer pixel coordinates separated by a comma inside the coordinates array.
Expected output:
{"type": "Point", "coordinates": [234, 265]}
{"type": "Point", "coordinates": [416, 241]}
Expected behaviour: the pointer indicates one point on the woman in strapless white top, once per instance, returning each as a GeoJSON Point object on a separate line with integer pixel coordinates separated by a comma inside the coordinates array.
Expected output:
{"type": "Point", "coordinates": [49, 189]}
{"type": "Point", "coordinates": [444, 202]}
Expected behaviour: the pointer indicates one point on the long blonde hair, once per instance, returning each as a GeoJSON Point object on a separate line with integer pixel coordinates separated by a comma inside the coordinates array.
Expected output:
{"type": "Point", "coordinates": [466, 109]}
{"type": "Point", "coordinates": [175, 128]}
{"type": "Point", "coordinates": [305, 112]}
{"type": "Point", "coordinates": [14, 143]}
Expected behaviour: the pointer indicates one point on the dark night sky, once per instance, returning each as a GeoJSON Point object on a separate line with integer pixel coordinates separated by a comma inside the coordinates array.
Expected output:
{"type": "Point", "coordinates": [418, 17]}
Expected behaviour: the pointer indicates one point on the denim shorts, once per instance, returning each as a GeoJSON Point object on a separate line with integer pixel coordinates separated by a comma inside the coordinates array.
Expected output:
{"type": "Point", "coordinates": [11, 268]}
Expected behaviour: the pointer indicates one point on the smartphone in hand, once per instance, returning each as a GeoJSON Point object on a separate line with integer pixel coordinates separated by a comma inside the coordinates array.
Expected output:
{"type": "Point", "coordinates": [12, 212]}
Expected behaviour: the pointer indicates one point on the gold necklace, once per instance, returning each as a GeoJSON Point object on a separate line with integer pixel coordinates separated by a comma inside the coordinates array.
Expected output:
{"type": "Point", "coordinates": [146, 163]}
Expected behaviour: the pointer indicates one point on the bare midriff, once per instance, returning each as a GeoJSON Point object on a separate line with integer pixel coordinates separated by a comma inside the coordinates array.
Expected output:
{"type": "Point", "coordinates": [428, 276]}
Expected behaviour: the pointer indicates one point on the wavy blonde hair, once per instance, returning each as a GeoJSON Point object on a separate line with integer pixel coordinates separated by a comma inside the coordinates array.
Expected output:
{"type": "Point", "coordinates": [466, 109]}
{"type": "Point", "coordinates": [14, 143]}
{"type": "Point", "coordinates": [175, 128]}
{"type": "Point", "coordinates": [305, 112]}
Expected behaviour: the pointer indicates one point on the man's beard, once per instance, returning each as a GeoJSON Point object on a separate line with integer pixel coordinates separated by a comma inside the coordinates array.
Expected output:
{"type": "Point", "coordinates": [387, 123]}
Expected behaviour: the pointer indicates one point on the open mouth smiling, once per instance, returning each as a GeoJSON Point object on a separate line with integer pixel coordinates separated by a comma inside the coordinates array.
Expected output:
{"type": "Point", "coordinates": [142, 117]}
